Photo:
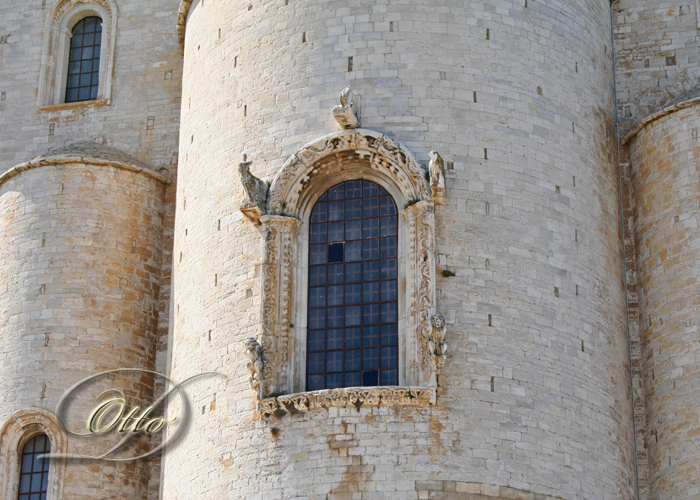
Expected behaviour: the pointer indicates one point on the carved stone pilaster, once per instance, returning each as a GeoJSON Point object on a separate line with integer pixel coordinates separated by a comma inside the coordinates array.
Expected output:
{"type": "Point", "coordinates": [420, 290]}
{"type": "Point", "coordinates": [280, 241]}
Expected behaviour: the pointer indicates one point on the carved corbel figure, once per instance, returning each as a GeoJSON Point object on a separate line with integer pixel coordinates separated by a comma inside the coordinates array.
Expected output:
{"type": "Point", "coordinates": [436, 169]}
{"type": "Point", "coordinates": [255, 365]}
{"type": "Point", "coordinates": [343, 113]}
{"type": "Point", "coordinates": [256, 189]}
{"type": "Point", "coordinates": [437, 345]}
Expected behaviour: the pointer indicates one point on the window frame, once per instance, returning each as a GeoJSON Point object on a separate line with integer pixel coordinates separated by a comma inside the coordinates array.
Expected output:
{"type": "Point", "coordinates": [15, 434]}
{"type": "Point", "coordinates": [58, 32]}
{"type": "Point", "coordinates": [303, 179]}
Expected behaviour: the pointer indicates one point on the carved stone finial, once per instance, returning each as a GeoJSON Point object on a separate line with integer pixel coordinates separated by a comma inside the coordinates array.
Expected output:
{"type": "Point", "coordinates": [437, 177]}
{"type": "Point", "coordinates": [253, 350]}
{"type": "Point", "coordinates": [437, 345]}
{"type": "Point", "coordinates": [343, 113]}
{"type": "Point", "coordinates": [256, 189]}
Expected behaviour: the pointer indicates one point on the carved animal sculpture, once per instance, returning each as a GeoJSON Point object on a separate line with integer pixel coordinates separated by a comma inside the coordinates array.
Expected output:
{"type": "Point", "coordinates": [253, 350]}
{"type": "Point", "coordinates": [437, 170]}
{"type": "Point", "coordinates": [255, 188]}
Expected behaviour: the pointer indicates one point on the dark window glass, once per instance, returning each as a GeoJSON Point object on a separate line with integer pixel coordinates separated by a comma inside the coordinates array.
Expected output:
{"type": "Point", "coordinates": [353, 298]}
{"type": "Point", "coordinates": [84, 60]}
{"type": "Point", "coordinates": [34, 473]}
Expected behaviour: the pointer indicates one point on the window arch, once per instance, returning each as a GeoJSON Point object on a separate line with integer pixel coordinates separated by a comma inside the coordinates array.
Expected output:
{"type": "Point", "coordinates": [24, 437]}
{"type": "Point", "coordinates": [60, 50]}
{"type": "Point", "coordinates": [348, 155]}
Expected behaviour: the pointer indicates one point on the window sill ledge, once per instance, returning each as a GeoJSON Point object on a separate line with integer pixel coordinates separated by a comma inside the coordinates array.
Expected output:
{"type": "Point", "coordinates": [346, 397]}
{"type": "Point", "coordinates": [94, 103]}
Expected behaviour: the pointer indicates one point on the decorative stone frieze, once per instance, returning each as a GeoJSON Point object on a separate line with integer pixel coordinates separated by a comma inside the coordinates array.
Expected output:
{"type": "Point", "coordinates": [349, 396]}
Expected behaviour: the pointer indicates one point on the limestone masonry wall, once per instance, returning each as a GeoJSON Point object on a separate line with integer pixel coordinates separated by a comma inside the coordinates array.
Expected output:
{"type": "Point", "coordinates": [80, 274]}
{"type": "Point", "coordinates": [658, 55]}
{"type": "Point", "coordinates": [666, 203]}
{"type": "Point", "coordinates": [535, 395]}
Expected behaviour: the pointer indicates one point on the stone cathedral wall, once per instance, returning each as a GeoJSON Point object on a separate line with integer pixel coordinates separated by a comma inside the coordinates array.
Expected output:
{"type": "Point", "coordinates": [535, 397]}
{"type": "Point", "coordinates": [80, 274]}
{"type": "Point", "coordinates": [666, 203]}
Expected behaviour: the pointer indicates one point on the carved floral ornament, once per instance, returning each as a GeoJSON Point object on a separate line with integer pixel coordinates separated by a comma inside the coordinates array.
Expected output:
{"type": "Point", "coordinates": [279, 369]}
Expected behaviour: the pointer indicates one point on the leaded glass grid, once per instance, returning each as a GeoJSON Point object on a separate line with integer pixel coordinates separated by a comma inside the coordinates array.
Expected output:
{"type": "Point", "coordinates": [84, 60]}
{"type": "Point", "coordinates": [353, 288]}
{"type": "Point", "coordinates": [34, 473]}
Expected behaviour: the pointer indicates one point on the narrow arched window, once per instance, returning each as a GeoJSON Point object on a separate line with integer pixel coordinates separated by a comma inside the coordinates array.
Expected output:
{"type": "Point", "coordinates": [353, 294]}
{"type": "Point", "coordinates": [34, 473]}
{"type": "Point", "coordinates": [84, 60]}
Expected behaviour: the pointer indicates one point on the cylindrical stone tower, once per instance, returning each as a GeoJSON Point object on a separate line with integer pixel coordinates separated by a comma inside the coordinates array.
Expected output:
{"type": "Point", "coordinates": [666, 200]}
{"type": "Point", "coordinates": [526, 262]}
{"type": "Point", "coordinates": [82, 230]}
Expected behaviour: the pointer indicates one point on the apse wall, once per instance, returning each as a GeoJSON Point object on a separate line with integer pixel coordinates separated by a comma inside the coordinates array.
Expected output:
{"type": "Point", "coordinates": [535, 394]}
{"type": "Point", "coordinates": [80, 267]}
{"type": "Point", "coordinates": [666, 197]}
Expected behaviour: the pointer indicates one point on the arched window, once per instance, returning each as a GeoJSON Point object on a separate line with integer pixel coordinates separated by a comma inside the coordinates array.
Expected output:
{"type": "Point", "coordinates": [34, 472]}
{"type": "Point", "coordinates": [353, 288]}
{"type": "Point", "coordinates": [84, 60]}
{"type": "Point", "coordinates": [78, 59]}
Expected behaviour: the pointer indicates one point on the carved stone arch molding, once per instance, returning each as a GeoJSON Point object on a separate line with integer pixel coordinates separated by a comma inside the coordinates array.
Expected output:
{"type": "Point", "coordinates": [306, 175]}
{"type": "Point", "coordinates": [64, 14]}
{"type": "Point", "coordinates": [19, 429]}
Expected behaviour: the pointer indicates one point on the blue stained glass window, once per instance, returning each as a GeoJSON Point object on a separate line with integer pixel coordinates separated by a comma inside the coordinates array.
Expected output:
{"type": "Point", "coordinates": [84, 60]}
{"type": "Point", "coordinates": [353, 298]}
{"type": "Point", "coordinates": [34, 473]}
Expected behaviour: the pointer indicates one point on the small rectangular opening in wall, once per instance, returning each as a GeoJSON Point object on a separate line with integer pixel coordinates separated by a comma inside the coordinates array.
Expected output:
{"type": "Point", "coordinates": [486, 154]}
{"type": "Point", "coordinates": [216, 280]}
{"type": "Point", "coordinates": [487, 208]}
{"type": "Point", "coordinates": [235, 61]}
{"type": "Point", "coordinates": [574, 181]}
{"type": "Point", "coordinates": [303, 37]}
{"type": "Point", "coordinates": [583, 349]}
{"type": "Point", "coordinates": [218, 226]}
{"type": "Point", "coordinates": [391, 26]}
{"type": "Point", "coordinates": [575, 234]}
{"type": "Point", "coordinates": [488, 34]}
{"type": "Point", "coordinates": [556, 291]}
{"type": "Point", "coordinates": [245, 110]}
{"type": "Point", "coordinates": [475, 96]}
{"type": "Point", "coordinates": [557, 189]}
{"type": "Point", "coordinates": [490, 322]}
{"type": "Point", "coordinates": [449, 165]}
{"type": "Point", "coordinates": [492, 384]}
{"type": "Point", "coordinates": [576, 289]}
{"type": "Point", "coordinates": [671, 61]}
{"type": "Point", "coordinates": [209, 335]}
{"type": "Point", "coordinates": [350, 63]}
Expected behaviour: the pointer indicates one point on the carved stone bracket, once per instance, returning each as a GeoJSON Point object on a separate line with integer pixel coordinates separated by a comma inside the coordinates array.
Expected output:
{"type": "Point", "coordinates": [347, 397]}
{"type": "Point", "coordinates": [343, 113]}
